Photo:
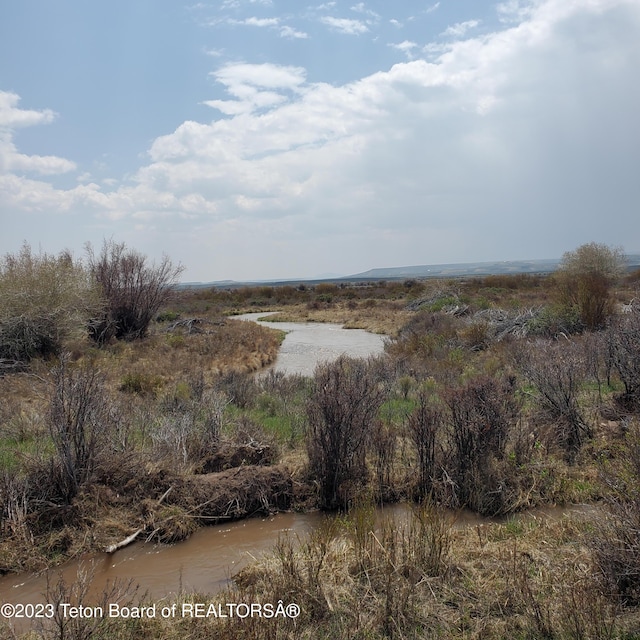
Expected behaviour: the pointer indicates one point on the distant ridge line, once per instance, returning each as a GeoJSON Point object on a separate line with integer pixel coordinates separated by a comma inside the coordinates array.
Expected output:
{"type": "Point", "coordinates": [452, 270]}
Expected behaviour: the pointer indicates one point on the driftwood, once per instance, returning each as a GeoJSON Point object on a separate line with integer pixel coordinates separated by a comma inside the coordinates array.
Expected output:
{"type": "Point", "coordinates": [193, 325]}
{"type": "Point", "coordinates": [129, 539]}
{"type": "Point", "coordinates": [123, 543]}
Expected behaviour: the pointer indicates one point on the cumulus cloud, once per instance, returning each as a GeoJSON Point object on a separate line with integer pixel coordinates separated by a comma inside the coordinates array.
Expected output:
{"type": "Point", "coordinates": [345, 25]}
{"type": "Point", "coordinates": [405, 47]}
{"type": "Point", "coordinates": [287, 31]}
{"type": "Point", "coordinates": [13, 117]}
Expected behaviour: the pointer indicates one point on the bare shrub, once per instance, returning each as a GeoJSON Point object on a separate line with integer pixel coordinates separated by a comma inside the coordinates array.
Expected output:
{"type": "Point", "coordinates": [78, 594]}
{"type": "Point", "coordinates": [240, 387]}
{"type": "Point", "coordinates": [616, 543]}
{"type": "Point", "coordinates": [14, 507]}
{"type": "Point", "coordinates": [624, 353]}
{"type": "Point", "coordinates": [425, 427]}
{"type": "Point", "coordinates": [345, 398]}
{"type": "Point", "coordinates": [79, 420]}
{"type": "Point", "coordinates": [190, 429]}
{"type": "Point", "coordinates": [384, 444]}
{"type": "Point", "coordinates": [482, 414]}
{"type": "Point", "coordinates": [557, 369]}
{"type": "Point", "coordinates": [133, 290]}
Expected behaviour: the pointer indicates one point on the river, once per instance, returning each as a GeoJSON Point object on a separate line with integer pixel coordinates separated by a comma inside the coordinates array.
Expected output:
{"type": "Point", "coordinates": [309, 343]}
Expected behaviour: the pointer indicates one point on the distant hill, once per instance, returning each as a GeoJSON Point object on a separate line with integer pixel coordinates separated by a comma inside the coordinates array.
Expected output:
{"type": "Point", "coordinates": [454, 270]}
{"type": "Point", "coordinates": [461, 269]}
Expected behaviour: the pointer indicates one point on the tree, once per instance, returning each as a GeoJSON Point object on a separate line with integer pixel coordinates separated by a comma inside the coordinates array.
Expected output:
{"type": "Point", "coordinates": [45, 300]}
{"type": "Point", "coordinates": [586, 276]}
{"type": "Point", "coordinates": [133, 291]}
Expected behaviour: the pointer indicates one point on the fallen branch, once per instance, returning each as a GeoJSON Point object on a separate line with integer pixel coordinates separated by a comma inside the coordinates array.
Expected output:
{"type": "Point", "coordinates": [123, 543]}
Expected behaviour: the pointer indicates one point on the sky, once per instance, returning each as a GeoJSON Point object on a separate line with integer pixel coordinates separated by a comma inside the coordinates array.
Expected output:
{"type": "Point", "coordinates": [274, 139]}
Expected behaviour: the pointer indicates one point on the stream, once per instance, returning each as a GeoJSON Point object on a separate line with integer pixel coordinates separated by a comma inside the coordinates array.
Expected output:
{"type": "Point", "coordinates": [206, 562]}
{"type": "Point", "coordinates": [309, 343]}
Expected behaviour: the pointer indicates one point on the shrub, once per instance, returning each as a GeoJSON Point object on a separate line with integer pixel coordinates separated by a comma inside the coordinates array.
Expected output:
{"type": "Point", "coordinates": [133, 291]}
{"type": "Point", "coordinates": [585, 278]}
{"type": "Point", "coordinates": [425, 426]}
{"type": "Point", "coordinates": [79, 420]}
{"type": "Point", "coordinates": [45, 300]}
{"type": "Point", "coordinates": [556, 369]}
{"type": "Point", "coordinates": [345, 398]}
{"type": "Point", "coordinates": [624, 354]}
{"type": "Point", "coordinates": [481, 415]}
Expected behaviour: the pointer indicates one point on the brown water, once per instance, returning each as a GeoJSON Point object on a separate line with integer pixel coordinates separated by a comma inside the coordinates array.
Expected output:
{"type": "Point", "coordinates": [206, 562]}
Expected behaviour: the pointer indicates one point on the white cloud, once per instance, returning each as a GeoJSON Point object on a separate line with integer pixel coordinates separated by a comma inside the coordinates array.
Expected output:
{"type": "Point", "coordinates": [254, 85]}
{"type": "Point", "coordinates": [459, 29]}
{"type": "Point", "coordinates": [267, 75]}
{"type": "Point", "coordinates": [257, 22]}
{"type": "Point", "coordinates": [433, 7]}
{"type": "Point", "coordinates": [405, 47]}
{"type": "Point", "coordinates": [360, 7]}
{"type": "Point", "coordinates": [236, 4]}
{"type": "Point", "coordinates": [345, 25]}
{"type": "Point", "coordinates": [289, 32]}
{"type": "Point", "coordinates": [11, 118]}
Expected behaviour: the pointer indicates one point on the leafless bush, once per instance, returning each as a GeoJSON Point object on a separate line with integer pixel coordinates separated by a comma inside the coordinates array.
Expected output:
{"type": "Point", "coordinates": [240, 387]}
{"type": "Point", "coordinates": [133, 291]}
{"type": "Point", "coordinates": [345, 398]}
{"type": "Point", "coordinates": [556, 369]}
{"type": "Point", "coordinates": [481, 413]}
{"type": "Point", "coordinates": [14, 506]}
{"type": "Point", "coordinates": [425, 425]}
{"type": "Point", "coordinates": [384, 443]}
{"type": "Point", "coordinates": [189, 431]}
{"type": "Point", "coordinates": [624, 352]}
{"type": "Point", "coordinates": [79, 420]}
{"type": "Point", "coordinates": [85, 627]}
{"type": "Point", "coordinates": [616, 542]}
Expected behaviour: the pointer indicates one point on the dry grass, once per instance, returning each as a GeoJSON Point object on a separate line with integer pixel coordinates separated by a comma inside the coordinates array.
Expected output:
{"type": "Point", "coordinates": [383, 317]}
{"type": "Point", "coordinates": [164, 357]}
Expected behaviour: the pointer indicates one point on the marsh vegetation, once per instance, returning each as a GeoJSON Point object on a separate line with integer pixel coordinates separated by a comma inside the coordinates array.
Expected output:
{"type": "Point", "coordinates": [494, 394]}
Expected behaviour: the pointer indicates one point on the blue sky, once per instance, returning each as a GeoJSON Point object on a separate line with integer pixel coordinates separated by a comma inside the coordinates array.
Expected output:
{"type": "Point", "coordinates": [257, 139]}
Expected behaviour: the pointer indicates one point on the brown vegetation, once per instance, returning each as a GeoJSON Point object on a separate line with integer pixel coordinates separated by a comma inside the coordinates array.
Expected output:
{"type": "Point", "coordinates": [495, 394]}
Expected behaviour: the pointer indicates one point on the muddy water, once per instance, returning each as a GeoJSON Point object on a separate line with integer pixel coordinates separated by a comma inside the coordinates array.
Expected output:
{"type": "Point", "coordinates": [203, 563]}
{"type": "Point", "coordinates": [308, 343]}
{"type": "Point", "coordinates": [206, 562]}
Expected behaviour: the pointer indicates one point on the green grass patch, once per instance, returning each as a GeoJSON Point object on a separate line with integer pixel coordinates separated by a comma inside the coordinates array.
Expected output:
{"type": "Point", "coordinates": [396, 410]}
